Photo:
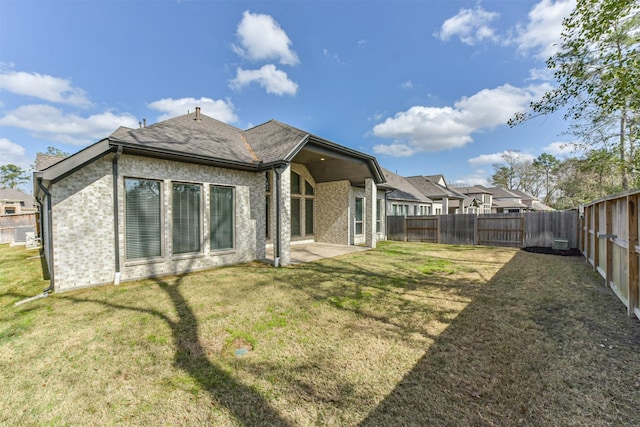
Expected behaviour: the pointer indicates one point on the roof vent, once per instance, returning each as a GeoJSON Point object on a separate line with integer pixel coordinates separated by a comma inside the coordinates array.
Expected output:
{"type": "Point", "coordinates": [198, 113]}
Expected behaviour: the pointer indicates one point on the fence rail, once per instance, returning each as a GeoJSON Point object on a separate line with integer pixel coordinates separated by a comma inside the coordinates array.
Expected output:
{"type": "Point", "coordinates": [8, 224]}
{"type": "Point", "coordinates": [514, 230]}
{"type": "Point", "coordinates": [609, 242]}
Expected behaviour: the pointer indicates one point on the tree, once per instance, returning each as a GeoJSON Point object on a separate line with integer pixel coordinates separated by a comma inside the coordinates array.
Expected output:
{"type": "Point", "coordinates": [53, 151]}
{"type": "Point", "coordinates": [11, 176]}
{"type": "Point", "coordinates": [597, 69]}
{"type": "Point", "coordinates": [547, 165]}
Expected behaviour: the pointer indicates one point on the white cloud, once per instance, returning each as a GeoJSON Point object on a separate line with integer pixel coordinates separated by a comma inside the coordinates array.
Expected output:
{"type": "Point", "coordinates": [476, 177]}
{"type": "Point", "coordinates": [218, 109]}
{"type": "Point", "coordinates": [395, 150]}
{"type": "Point", "coordinates": [262, 39]}
{"type": "Point", "coordinates": [541, 33]}
{"type": "Point", "coordinates": [48, 88]}
{"type": "Point", "coordinates": [470, 25]}
{"type": "Point", "coordinates": [269, 77]}
{"type": "Point", "coordinates": [407, 85]}
{"type": "Point", "coordinates": [48, 122]}
{"type": "Point", "coordinates": [10, 152]}
{"type": "Point", "coordinates": [424, 129]}
{"type": "Point", "coordinates": [560, 148]}
{"type": "Point", "coordinates": [498, 158]}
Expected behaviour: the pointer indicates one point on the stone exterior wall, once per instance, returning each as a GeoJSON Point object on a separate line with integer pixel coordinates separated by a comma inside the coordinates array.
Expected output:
{"type": "Point", "coordinates": [333, 212]}
{"type": "Point", "coordinates": [83, 227]}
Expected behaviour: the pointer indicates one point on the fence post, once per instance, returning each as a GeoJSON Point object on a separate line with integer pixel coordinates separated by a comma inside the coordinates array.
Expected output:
{"type": "Point", "coordinates": [609, 244]}
{"type": "Point", "coordinates": [632, 244]}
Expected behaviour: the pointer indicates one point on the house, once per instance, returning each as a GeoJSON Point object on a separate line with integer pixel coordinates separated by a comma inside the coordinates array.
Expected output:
{"type": "Point", "coordinates": [403, 198]}
{"type": "Point", "coordinates": [505, 201]}
{"type": "Point", "coordinates": [445, 200]}
{"type": "Point", "coordinates": [16, 202]}
{"type": "Point", "coordinates": [192, 193]}
{"type": "Point", "coordinates": [532, 203]}
{"type": "Point", "coordinates": [482, 198]}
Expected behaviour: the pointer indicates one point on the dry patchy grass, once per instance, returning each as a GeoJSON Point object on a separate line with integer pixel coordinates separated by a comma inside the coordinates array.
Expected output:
{"type": "Point", "coordinates": [407, 334]}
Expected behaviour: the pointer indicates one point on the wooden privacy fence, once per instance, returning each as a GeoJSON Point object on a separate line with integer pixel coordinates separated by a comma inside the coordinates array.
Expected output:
{"type": "Point", "coordinates": [515, 230]}
{"type": "Point", "coordinates": [8, 224]}
{"type": "Point", "coordinates": [609, 242]}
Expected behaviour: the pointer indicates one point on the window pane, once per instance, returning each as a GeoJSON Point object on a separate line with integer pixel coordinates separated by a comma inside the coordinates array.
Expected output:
{"type": "Point", "coordinates": [222, 218]}
{"type": "Point", "coordinates": [359, 215]}
{"type": "Point", "coordinates": [308, 216]}
{"type": "Point", "coordinates": [295, 217]}
{"type": "Point", "coordinates": [186, 217]}
{"type": "Point", "coordinates": [308, 188]}
{"type": "Point", "coordinates": [267, 182]}
{"type": "Point", "coordinates": [295, 183]}
{"type": "Point", "coordinates": [142, 218]}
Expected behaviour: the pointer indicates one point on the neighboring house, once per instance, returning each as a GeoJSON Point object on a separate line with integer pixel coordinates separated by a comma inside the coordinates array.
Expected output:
{"type": "Point", "coordinates": [532, 203]}
{"type": "Point", "coordinates": [192, 193]}
{"type": "Point", "coordinates": [505, 201]}
{"type": "Point", "coordinates": [403, 198]}
{"type": "Point", "coordinates": [445, 200]}
{"type": "Point", "coordinates": [16, 202]}
{"type": "Point", "coordinates": [482, 197]}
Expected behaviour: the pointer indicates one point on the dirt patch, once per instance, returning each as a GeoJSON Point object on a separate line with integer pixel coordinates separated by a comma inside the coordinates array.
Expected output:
{"type": "Point", "coordinates": [551, 251]}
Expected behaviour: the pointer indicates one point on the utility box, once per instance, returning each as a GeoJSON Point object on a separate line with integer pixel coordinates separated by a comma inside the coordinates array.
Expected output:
{"type": "Point", "coordinates": [20, 235]}
{"type": "Point", "coordinates": [560, 245]}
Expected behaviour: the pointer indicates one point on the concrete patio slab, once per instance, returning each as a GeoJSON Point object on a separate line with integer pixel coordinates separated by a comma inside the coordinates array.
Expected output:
{"type": "Point", "coordinates": [314, 251]}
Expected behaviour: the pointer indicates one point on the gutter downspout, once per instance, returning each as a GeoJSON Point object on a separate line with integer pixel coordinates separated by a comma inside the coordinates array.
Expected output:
{"type": "Point", "coordinates": [49, 237]}
{"type": "Point", "coordinates": [276, 251]}
{"type": "Point", "coordinates": [116, 231]}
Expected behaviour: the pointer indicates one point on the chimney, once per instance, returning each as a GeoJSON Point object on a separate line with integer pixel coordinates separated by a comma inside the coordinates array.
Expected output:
{"type": "Point", "coordinates": [198, 113]}
{"type": "Point", "coordinates": [140, 125]}
{"type": "Point", "coordinates": [144, 123]}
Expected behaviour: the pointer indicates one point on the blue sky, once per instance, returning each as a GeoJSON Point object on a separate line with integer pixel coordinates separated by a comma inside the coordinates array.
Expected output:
{"type": "Point", "coordinates": [425, 86]}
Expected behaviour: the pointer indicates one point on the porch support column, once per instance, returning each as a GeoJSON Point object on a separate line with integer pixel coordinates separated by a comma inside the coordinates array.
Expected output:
{"type": "Point", "coordinates": [283, 247]}
{"type": "Point", "coordinates": [370, 191]}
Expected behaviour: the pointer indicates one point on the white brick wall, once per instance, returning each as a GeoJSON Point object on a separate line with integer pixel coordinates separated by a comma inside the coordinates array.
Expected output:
{"type": "Point", "coordinates": [83, 233]}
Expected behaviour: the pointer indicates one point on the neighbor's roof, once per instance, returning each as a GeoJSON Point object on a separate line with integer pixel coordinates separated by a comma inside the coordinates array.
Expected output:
{"type": "Point", "coordinates": [501, 203]}
{"type": "Point", "coordinates": [402, 189]}
{"type": "Point", "coordinates": [11, 195]}
{"type": "Point", "coordinates": [472, 190]}
{"type": "Point", "coordinates": [433, 190]}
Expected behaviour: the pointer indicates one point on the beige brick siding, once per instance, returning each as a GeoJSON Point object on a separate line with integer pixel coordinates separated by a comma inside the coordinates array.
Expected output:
{"type": "Point", "coordinates": [332, 212]}
{"type": "Point", "coordinates": [83, 212]}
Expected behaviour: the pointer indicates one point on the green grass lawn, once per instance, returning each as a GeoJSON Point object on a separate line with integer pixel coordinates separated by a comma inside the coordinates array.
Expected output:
{"type": "Point", "coordinates": [406, 334]}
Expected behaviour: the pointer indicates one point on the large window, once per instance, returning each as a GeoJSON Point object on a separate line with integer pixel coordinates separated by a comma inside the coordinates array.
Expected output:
{"type": "Point", "coordinates": [186, 217]}
{"type": "Point", "coordinates": [359, 217]}
{"type": "Point", "coordinates": [295, 216]}
{"type": "Point", "coordinates": [302, 206]}
{"type": "Point", "coordinates": [308, 216]}
{"type": "Point", "coordinates": [221, 229]}
{"type": "Point", "coordinates": [142, 218]}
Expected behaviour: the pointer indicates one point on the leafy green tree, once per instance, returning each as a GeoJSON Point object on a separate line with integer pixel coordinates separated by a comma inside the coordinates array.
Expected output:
{"type": "Point", "coordinates": [597, 69]}
{"type": "Point", "coordinates": [11, 176]}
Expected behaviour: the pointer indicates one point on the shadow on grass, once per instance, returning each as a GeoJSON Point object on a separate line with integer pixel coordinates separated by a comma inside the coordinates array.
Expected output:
{"type": "Point", "coordinates": [524, 353]}
{"type": "Point", "coordinates": [245, 404]}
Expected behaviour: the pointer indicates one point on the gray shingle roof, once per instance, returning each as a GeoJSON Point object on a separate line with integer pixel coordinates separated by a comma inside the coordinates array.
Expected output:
{"type": "Point", "coordinates": [205, 137]}
{"type": "Point", "coordinates": [11, 195]}
{"type": "Point", "coordinates": [44, 161]}
{"type": "Point", "coordinates": [402, 189]}
{"type": "Point", "coordinates": [431, 189]}
{"type": "Point", "coordinates": [273, 141]}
